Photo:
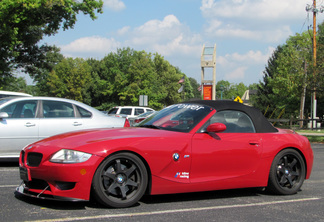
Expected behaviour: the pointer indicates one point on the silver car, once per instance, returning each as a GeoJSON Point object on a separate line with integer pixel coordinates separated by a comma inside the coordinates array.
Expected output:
{"type": "Point", "coordinates": [24, 120]}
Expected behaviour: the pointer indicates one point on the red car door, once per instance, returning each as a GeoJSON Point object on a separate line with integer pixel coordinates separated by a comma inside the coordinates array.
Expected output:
{"type": "Point", "coordinates": [227, 157]}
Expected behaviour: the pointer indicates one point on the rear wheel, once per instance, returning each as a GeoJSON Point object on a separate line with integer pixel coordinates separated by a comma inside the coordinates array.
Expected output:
{"type": "Point", "coordinates": [120, 180]}
{"type": "Point", "coordinates": [287, 172]}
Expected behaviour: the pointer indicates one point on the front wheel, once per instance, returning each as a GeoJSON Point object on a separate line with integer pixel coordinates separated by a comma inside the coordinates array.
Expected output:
{"type": "Point", "coordinates": [120, 180]}
{"type": "Point", "coordinates": [287, 172]}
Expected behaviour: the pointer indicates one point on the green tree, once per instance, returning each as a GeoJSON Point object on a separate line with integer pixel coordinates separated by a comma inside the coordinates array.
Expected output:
{"type": "Point", "coordinates": [69, 79]}
{"type": "Point", "coordinates": [167, 84]}
{"type": "Point", "coordinates": [23, 23]}
{"type": "Point", "coordinates": [195, 88]}
{"type": "Point", "coordinates": [41, 69]}
{"type": "Point", "coordinates": [226, 90]}
{"type": "Point", "coordinates": [284, 77]}
{"type": "Point", "coordinates": [17, 85]}
{"type": "Point", "coordinates": [121, 77]}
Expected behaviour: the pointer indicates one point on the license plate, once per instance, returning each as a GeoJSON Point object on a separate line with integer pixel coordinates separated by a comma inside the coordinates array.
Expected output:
{"type": "Point", "coordinates": [24, 174]}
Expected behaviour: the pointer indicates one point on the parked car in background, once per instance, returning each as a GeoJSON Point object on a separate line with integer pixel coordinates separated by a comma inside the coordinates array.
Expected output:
{"type": "Point", "coordinates": [128, 111]}
{"type": "Point", "coordinates": [10, 94]}
{"type": "Point", "coordinates": [137, 119]}
{"type": "Point", "coordinates": [188, 147]}
{"type": "Point", "coordinates": [24, 120]}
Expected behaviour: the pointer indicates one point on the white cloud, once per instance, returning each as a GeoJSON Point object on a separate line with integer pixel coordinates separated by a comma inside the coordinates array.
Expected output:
{"type": "Point", "coordinates": [89, 46]}
{"type": "Point", "coordinates": [115, 5]}
{"type": "Point", "coordinates": [274, 35]}
{"type": "Point", "coordinates": [237, 74]}
{"type": "Point", "coordinates": [177, 46]}
{"type": "Point", "coordinates": [251, 57]}
{"type": "Point", "coordinates": [123, 30]}
{"type": "Point", "coordinates": [167, 37]}
{"type": "Point", "coordinates": [264, 21]}
{"type": "Point", "coordinates": [266, 10]}
{"type": "Point", "coordinates": [234, 67]}
{"type": "Point", "coordinates": [156, 31]}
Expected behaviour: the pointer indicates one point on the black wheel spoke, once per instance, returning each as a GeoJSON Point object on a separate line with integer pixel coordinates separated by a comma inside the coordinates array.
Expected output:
{"type": "Point", "coordinates": [293, 163]}
{"type": "Point", "coordinates": [118, 166]}
{"type": "Point", "coordinates": [112, 188]}
{"type": "Point", "coordinates": [107, 175]}
{"type": "Point", "coordinates": [285, 161]}
{"type": "Point", "coordinates": [283, 180]}
{"type": "Point", "coordinates": [131, 183]}
{"type": "Point", "coordinates": [295, 173]}
{"type": "Point", "coordinates": [123, 192]}
{"type": "Point", "coordinates": [291, 183]}
{"type": "Point", "coordinates": [129, 171]}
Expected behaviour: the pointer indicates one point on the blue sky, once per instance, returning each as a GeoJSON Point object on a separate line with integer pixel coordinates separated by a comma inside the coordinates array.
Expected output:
{"type": "Point", "coordinates": [245, 32]}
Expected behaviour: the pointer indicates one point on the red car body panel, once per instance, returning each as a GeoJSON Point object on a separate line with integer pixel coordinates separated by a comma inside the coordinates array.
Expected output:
{"type": "Point", "coordinates": [200, 154]}
{"type": "Point", "coordinates": [207, 160]}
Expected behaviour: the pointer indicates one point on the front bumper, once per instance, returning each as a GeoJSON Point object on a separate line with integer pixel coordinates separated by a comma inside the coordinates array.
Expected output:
{"type": "Point", "coordinates": [56, 181]}
{"type": "Point", "coordinates": [22, 189]}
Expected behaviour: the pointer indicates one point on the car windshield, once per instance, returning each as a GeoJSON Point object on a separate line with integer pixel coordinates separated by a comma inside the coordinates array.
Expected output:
{"type": "Point", "coordinates": [179, 117]}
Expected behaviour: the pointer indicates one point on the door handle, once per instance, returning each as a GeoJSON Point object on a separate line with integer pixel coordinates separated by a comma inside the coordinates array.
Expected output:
{"type": "Point", "coordinates": [28, 124]}
{"type": "Point", "coordinates": [254, 143]}
{"type": "Point", "coordinates": [77, 124]}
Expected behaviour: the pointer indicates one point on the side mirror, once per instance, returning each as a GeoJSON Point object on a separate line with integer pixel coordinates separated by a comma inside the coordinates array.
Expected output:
{"type": "Point", "coordinates": [3, 115]}
{"type": "Point", "coordinates": [216, 128]}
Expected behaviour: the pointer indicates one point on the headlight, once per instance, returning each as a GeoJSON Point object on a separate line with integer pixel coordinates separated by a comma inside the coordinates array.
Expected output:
{"type": "Point", "coordinates": [70, 156]}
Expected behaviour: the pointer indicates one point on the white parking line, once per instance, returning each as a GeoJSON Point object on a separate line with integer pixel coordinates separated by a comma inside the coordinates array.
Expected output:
{"type": "Point", "coordinates": [8, 186]}
{"type": "Point", "coordinates": [179, 210]}
{"type": "Point", "coordinates": [9, 170]}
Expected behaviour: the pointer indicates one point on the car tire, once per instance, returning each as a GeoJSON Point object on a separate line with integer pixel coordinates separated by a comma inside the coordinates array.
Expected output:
{"type": "Point", "coordinates": [287, 173]}
{"type": "Point", "coordinates": [120, 180]}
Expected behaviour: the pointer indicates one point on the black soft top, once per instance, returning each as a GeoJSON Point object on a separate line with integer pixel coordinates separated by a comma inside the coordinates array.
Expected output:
{"type": "Point", "coordinates": [261, 124]}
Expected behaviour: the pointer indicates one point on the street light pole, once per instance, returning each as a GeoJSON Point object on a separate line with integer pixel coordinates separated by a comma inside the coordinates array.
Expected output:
{"type": "Point", "coordinates": [314, 62]}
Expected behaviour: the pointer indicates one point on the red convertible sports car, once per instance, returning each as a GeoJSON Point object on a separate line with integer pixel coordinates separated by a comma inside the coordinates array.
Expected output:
{"type": "Point", "coordinates": [187, 147]}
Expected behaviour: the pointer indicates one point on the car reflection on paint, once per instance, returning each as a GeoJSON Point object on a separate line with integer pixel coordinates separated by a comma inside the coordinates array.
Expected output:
{"type": "Point", "coordinates": [187, 147]}
{"type": "Point", "coordinates": [136, 120]}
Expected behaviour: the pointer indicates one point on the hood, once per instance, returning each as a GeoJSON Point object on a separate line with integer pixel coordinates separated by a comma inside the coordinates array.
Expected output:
{"type": "Point", "coordinates": [85, 139]}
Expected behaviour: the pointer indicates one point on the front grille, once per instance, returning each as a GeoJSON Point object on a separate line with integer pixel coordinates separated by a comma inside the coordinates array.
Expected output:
{"type": "Point", "coordinates": [34, 159]}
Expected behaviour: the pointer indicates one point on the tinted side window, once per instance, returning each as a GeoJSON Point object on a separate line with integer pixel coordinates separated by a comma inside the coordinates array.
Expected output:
{"type": "Point", "coordinates": [126, 111]}
{"type": "Point", "coordinates": [138, 111]}
{"type": "Point", "coordinates": [235, 121]}
{"type": "Point", "coordinates": [22, 109]}
{"type": "Point", "coordinates": [113, 111]}
{"type": "Point", "coordinates": [84, 113]}
{"type": "Point", "coordinates": [56, 109]}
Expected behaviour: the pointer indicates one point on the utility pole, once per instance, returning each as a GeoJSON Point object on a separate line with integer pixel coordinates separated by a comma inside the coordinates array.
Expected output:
{"type": "Point", "coordinates": [314, 103]}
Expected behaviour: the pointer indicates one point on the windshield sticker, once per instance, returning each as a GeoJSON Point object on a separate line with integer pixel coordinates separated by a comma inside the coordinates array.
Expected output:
{"type": "Point", "coordinates": [182, 175]}
{"type": "Point", "coordinates": [189, 106]}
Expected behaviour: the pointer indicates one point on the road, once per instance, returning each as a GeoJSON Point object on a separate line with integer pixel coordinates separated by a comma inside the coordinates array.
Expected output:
{"type": "Point", "coordinates": [232, 205]}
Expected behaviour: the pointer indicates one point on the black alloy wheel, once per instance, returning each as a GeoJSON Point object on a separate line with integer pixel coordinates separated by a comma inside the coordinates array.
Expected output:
{"type": "Point", "coordinates": [120, 180]}
{"type": "Point", "coordinates": [287, 172]}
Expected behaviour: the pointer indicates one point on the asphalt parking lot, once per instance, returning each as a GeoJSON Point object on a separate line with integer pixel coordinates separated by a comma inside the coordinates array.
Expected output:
{"type": "Point", "coordinates": [231, 205]}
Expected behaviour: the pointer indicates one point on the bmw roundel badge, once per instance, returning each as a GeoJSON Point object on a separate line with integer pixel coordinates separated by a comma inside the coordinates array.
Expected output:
{"type": "Point", "coordinates": [176, 156]}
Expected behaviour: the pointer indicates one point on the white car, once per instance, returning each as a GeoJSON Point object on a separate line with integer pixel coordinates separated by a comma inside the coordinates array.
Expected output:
{"type": "Point", "coordinates": [24, 120]}
{"type": "Point", "coordinates": [128, 111]}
